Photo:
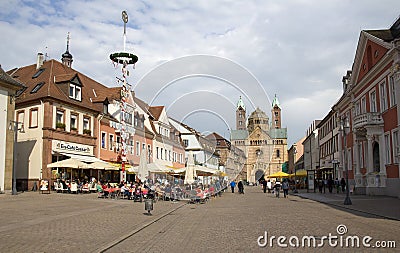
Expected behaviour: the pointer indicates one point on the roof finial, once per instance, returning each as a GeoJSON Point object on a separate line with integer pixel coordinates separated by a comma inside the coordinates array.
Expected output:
{"type": "Point", "coordinates": [68, 37]}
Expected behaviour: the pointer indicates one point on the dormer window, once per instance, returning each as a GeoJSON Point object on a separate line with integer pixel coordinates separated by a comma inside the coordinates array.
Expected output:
{"type": "Point", "coordinates": [75, 92]}
{"type": "Point", "coordinates": [105, 108]}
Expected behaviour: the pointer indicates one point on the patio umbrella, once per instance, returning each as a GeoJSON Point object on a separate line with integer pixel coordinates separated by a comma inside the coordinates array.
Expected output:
{"type": "Point", "coordinates": [190, 172]}
{"type": "Point", "coordinates": [278, 174]}
{"type": "Point", "coordinates": [69, 163]}
{"type": "Point", "coordinates": [143, 170]}
{"type": "Point", "coordinates": [299, 173]}
{"type": "Point", "coordinates": [100, 165]}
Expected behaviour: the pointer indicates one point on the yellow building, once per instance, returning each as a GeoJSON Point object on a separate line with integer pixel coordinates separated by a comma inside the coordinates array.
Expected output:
{"type": "Point", "coordinates": [264, 143]}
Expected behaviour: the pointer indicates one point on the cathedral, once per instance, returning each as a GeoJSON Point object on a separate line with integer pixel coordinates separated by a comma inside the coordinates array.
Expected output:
{"type": "Point", "coordinates": [264, 142]}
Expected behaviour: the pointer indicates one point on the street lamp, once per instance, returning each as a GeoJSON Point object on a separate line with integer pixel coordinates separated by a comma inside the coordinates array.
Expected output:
{"type": "Point", "coordinates": [344, 127]}
{"type": "Point", "coordinates": [14, 126]}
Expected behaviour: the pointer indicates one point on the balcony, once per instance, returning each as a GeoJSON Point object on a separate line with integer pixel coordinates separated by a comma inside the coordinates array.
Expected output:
{"type": "Point", "coordinates": [367, 119]}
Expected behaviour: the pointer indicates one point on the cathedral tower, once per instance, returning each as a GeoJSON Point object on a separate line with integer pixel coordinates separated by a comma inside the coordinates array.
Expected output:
{"type": "Point", "coordinates": [240, 115]}
{"type": "Point", "coordinates": [276, 113]}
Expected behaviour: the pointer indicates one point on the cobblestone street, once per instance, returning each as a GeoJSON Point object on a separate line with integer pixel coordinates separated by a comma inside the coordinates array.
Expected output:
{"type": "Point", "coordinates": [32, 222]}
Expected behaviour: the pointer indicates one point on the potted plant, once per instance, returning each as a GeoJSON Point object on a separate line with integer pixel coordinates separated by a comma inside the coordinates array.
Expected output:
{"type": "Point", "coordinates": [74, 130]}
{"type": "Point", "coordinates": [60, 125]}
{"type": "Point", "coordinates": [87, 131]}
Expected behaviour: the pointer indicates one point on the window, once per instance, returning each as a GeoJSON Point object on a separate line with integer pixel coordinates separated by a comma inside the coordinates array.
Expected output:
{"type": "Point", "coordinates": [119, 144]}
{"type": "Point", "coordinates": [372, 102]}
{"type": "Point", "coordinates": [33, 118]}
{"type": "Point", "coordinates": [128, 118]}
{"type": "Point", "coordinates": [240, 115]}
{"type": "Point", "coordinates": [169, 155]}
{"type": "Point", "coordinates": [20, 117]}
{"type": "Point", "coordinates": [363, 108]}
{"type": "Point", "coordinates": [111, 142]}
{"type": "Point", "coordinates": [382, 95]}
{"type": "Point", "coordinates": [137, 148]}
{"type": "Point", "coordinates": [278, 153]}
{"type": "Point", "coordinates": [166, 155]}
{"type": "Point", "coordinates": [75, 92]}
{"type": "Point", "coordinates": [180, 158]}
{"type": "Point", "coordinates": [357, 108]}
{"type": "Point", "coordinates": [131, 144]}
{"type": "Point", "coordinates": [148, 151]}
{"type": "Point", "coordinates": [360, 155]}
{"type": "Point", "coordinates": [136, 121]}
{"type": "Point", "coordinates": [59, 116]}
{"type": "Point", "coordinates": [40, 71]}
{"type": "Point", "coordinates": [86, 124]}
{"type": "Point", "coordinates": [387, 149]}
{"type": "Point", "coordinates": [185, 143]}
{"type": "Point", "coordinates": [37, 87]}
{"type": "Point", "coordinates": [392, 91]}
{"type": "Point", "coordinates": [396, 147]}
{"type": "Point", "coordinates": [19, 92]}
{"type": "Point", "coordinates": [105, 108]}
{"type": "Point", "coordinates": [157, 153]}
{"type": "Point", "coordinates": [74, 122]}
{"type": "Point", "coordinates": [143, 146]}
{"type": "Point", "coordinates": [161, 153]}
{"type": "Point", "coordinates": [240, 123]}
{"type": "Point", "coordinates": [103, 140]}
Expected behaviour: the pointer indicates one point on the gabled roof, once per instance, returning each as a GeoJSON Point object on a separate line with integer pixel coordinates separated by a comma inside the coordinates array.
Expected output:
{"type": "Point", "coordinates": [55, 73]}
{"type": "Point", "coordinates": [7, 79]}
{"type": "Point", "coordinates": [156, 111]}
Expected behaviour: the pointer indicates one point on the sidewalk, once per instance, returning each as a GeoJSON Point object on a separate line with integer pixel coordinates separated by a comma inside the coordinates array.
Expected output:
{"type": "Point", "coordinates": [381, 206]}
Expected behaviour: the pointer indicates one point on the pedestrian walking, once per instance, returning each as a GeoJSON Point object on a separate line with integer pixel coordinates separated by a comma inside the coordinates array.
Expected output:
{"type": "Point", "coordinates": [264, 185]}
{"type": "Point", "coordinates": [277, 189]}
{"type": "Point", "coordinates": [343, 184]}
{"type": "Point", "coordinates": [330, 184]}
{"type": "Point", "coordinates": [337, 185]}
{"type": "Point", "coordinates": [269, 186]}
{"type": "Point", "coordinates": [241, 187]}
{"type": "Point", "coordinates": [285, 187]}
{"type": "Point", "coordinates": [233, 184]}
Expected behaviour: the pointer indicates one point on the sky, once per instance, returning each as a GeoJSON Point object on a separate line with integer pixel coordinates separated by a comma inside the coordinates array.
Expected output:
{"type": "Point", "coordinates": [198, 57]}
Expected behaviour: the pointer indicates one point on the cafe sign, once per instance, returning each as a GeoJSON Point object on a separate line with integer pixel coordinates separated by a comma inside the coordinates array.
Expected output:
{"type": "Point", "coordinates": [70, 147]}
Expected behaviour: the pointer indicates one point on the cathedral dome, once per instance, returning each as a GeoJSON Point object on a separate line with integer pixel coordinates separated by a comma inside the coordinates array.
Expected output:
{"type": "Point", "coordinates": [258, 114]}
{"type": "Point", "coordinates": [258, 118]}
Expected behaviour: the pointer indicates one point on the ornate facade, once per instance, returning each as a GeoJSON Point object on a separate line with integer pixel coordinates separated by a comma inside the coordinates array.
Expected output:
{"type": "Point", "coordinates": [264, 143]}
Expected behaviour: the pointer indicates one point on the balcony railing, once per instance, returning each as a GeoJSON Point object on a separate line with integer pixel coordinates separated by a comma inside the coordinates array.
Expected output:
{"type": "Point", "coordinates": [367, 119]}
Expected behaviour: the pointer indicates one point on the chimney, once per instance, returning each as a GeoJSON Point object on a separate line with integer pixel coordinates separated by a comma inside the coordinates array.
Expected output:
{"type": "Point", "coordinates": [40, 60]}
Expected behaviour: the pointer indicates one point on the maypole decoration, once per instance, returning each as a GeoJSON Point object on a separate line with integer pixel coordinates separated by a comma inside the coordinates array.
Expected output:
{"type": "Point", "coordinates": [125, 59]}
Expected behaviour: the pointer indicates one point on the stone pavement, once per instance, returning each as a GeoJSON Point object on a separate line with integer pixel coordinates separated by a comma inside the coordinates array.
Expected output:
{"type": "Point", "coordinates": [381, 206]}
{"type": "Point", "coordinates": [32, 222]}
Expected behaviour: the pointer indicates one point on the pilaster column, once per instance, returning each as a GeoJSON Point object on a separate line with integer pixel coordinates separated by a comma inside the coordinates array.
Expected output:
{"type": "Point", "coordinates": [382, 167]}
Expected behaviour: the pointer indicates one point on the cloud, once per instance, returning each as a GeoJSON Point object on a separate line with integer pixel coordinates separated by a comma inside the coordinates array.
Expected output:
{"type": "Point", "coordinates": [298, 50]}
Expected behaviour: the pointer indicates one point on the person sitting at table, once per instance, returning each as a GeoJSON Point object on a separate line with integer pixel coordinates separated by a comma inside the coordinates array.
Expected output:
{"type": "Point", "coordinates": [125, 191]}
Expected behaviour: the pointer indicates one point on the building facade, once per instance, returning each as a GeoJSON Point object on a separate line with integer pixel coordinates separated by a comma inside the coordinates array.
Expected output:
{"type": "Point", "coordinates": [264, 143]}
{"type": "Point", "coordinates": [8, 89]}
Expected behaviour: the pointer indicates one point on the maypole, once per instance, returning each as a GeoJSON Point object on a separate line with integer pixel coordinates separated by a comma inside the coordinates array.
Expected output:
{"type": "Point", "coordinates": [125, 59]}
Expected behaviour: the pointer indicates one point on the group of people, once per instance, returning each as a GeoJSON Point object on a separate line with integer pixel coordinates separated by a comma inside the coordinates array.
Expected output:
{"type": "Point", "coordinates": [276, 187]}
{"type": "Point", "coordinates": [339, 185]}
{"type": "Point", "coordinates": [239, 185]}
